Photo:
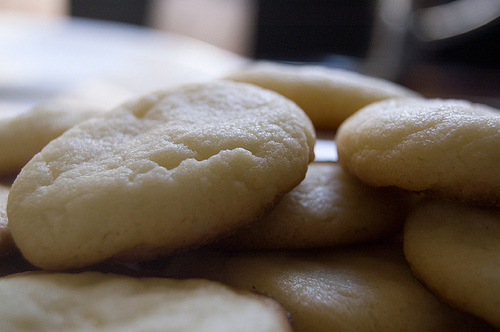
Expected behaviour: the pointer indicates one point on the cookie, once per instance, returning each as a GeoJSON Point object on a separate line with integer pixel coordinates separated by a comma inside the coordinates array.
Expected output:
{"type": "Point", "coordinates": [444, 148]}
{"type": "Point", "coordinates": [327, 95]}
{"type": "Point", "coordinates": [328, 208]}
{"type": "Point", "coordinates": [7, 245]}
{"type": "Point", "coordinates": [93, 301]}
{"type": "Point", "coordinates": [168, 171]}
{"type": "Point", "coordinates": [356, 288]}
{"type": "Point", "coordinates": [454, 249]}
{"type": "Point", "coordinates": [23, 135]}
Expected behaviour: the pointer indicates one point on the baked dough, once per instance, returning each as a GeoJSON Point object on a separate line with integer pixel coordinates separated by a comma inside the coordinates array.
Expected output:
{"type": "Point", "coordinates": [168, 171]}
{"type": "Point", "coordinates": [93, 301]}
{"type": "Point", "coordinates": [327, 95]}
{"type": "Point", "coordinates": [446, 148]}
{"type": "Point", "coordinates": [25, 134]}
{"type": "Point", "coordinates": [7, 245]}
{"type": "Point", "coordinates": [356, 288]}
{"type": "Point", "coordinates": [328, 208]}
{"type": "Point", "coordinates": [454, 249]}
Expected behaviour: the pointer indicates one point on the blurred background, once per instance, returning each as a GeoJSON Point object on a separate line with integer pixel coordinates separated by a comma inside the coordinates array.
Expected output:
{"type": "Point", "coordinates": [441, 48]}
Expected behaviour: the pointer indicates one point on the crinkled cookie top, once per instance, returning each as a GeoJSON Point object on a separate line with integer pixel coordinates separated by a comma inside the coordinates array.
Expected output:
{"type": "Point", "coordinates": [170, 170]}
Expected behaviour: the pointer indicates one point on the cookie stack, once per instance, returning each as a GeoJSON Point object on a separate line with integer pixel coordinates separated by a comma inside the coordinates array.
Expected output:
{"type": "Point", "coordinates": [447, 150]}
{"type": "Point", "coordinates": [200, 197]}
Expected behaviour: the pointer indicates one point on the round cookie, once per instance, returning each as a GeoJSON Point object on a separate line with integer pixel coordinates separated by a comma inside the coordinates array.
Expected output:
{"type": "Point", "coordinates": [25, 134]}
{"type": "Point", "coordinates": [327, 95]}
{"type": "Point", "coordinates": [7, 245]}
{"type": "Point", "coordinates": [455, 251]}
{"type": "Point", "coordinates": [168, 171]}
{"type": "Point", "coordinates": [328, 208]}
{"type": "Point", "coordinates": [356, 288]}
{"type": "Point", "coordinates": [93, 301]}
{"type": "Point", "coordinates": [446, 148]}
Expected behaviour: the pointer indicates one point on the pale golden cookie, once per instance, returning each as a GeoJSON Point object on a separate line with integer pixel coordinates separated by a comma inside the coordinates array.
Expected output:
{"type": "Point", "coordinates": [455, 250]}
{"type": "Point", "coordinates": [357, 288]}
{"type": "Point", "coordinates": [7, 245]}
{"type": "Point", "coordinates": [171, 170]}
{"type": "Point", "coordinates": [25, 134]}
{"type": "Point", "coordinates": [327, 95]}
{"type": "Point", "coordinates": [328, 208]}
{"type": "Point", "coordinates": [446, 148]}
{"type": "Point", "coordinates": [93, 301]}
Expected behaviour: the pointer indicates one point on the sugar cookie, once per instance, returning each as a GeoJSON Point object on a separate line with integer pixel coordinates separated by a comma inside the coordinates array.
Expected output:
{"type": "Point", "coordinates": [328, 208]}
{"type": "Point", "coordinates": [25, 134]}
{"type": "Point", "coordinates": [168, 171]}
{"type": "Point", "coordinates": [455, 250]}
{"type": "Point", "coordinates": [327, 95]}
{"type": "Point", "coordinates": [356, 288]}
{"type": "Point", "coordinates": [93, 301]}
{"type": "Point", "coordinates": [7, 245]}
{"type": "Point", "coordinates": [446, 148]}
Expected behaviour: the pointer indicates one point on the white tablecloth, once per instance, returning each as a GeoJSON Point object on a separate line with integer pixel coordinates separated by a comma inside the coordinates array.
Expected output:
{"type": "Point", "coordinates": [107, 62]}
{"type": "Point", "coordinates": [41, 58]}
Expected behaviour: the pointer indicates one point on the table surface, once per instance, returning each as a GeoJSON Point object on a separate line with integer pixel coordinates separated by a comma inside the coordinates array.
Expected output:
{"type": "Point", "coordinates": [44, 58]}
{"type": "Point", "coordinates": [41, 58]}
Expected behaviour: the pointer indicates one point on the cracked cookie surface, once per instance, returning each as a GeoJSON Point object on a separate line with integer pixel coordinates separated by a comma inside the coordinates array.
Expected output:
{"type": "Point", "coordinates": [446, 148]}
{"type": "Point", "coordinates": [167, 171]}
{"type": "Point", "coordinates": [25, 134]}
